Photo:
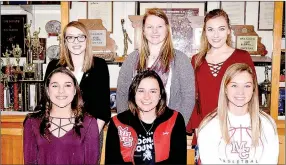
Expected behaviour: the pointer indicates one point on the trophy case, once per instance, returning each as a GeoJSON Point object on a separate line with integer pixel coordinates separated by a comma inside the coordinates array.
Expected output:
{"type": "Point", "coordinates": [30, 29]}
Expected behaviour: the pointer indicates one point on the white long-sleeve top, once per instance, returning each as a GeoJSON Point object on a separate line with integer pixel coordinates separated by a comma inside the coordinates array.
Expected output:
{"type": "Point", "coordinates": [214, 150]}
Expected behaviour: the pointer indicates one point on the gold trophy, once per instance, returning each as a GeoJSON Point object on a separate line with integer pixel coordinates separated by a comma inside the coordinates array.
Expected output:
{"type": "Point", "coordinates": [34, 47]}
{"type": "Point", "coordinates": [126, 37]}
{"type": "Point", "coordinates": [8, 65]}
{"type": "Point", "coordinates": [17, 52]}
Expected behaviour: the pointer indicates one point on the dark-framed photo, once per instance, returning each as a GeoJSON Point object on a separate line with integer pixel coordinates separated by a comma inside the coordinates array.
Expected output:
{"type": "Point", "coordinates": [182, 19]}
{"type": "Point", "coordinates": [265, 16]}
{"type": "Point", "coordinates": [13, 32]}
{"type": "Point", "coordinates": [113, 99]}
{"type": "Point", "coordinates": [103, 11]}
{"type": "Point", "coordinates": [235, 11]}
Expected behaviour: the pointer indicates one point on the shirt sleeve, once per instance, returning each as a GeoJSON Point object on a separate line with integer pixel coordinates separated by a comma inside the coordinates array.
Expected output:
{"type": "Point", "coordinates": [271, 145]}
{"type": "Point", "coordinates": [112, 147]}
{"type": "Point", "coordinates": [178, 147]}
{"type": "Point", "coordinates": [187, 83]}
{"type": "Point", "coordinates": [195, 118]}
{"type": "Point", "coordinates": [30, 143]}
{"type": "Point", "coordinates": [123, 83]}
{"type": "Point", "coordinates": [208, 144]}
{"type": "Point", "coordinates": [99, 95]}
{"type": "Point", "coordinates": [248, 60]}
{"type": "Point", "coordinates": [91, 143]}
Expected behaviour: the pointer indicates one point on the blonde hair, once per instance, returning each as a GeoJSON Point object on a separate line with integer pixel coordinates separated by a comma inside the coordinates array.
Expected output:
{"type": "Point", "coordinates": [205, 45]}
{"type": "Point", "coordinates": [167, 49]}
{"type": "Point", "coordinates": [253, 105]}
{"type": "Point", "coordinates": [65, 56]}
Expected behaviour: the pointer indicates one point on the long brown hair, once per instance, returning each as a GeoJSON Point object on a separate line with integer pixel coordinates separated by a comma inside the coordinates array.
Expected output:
{"type": "Point", "coordinates": [253, 105]}
{"type": "Point", "coordinates": [205, 45]}
{"type": "Point", "coordinates": [167, 50]}
{"type": "Point", "coordinates": [65, 56]}
{"type": "Point", "coordinates": [44, 110]}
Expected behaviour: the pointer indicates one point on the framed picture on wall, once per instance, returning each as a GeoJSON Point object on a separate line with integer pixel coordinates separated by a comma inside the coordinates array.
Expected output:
{"type": "Point", "coordinates": [235, 11]}
{"type": "Point", "coordinates": [113, 99]}
{"type": "Point", "coordinates": [13, 32]}
{"type": "Point", "coordinates": [103, 11]}
{"type": "Point", "coordinates": [265, 16]}
{"type": "Point", "coordinates": [181, 18]}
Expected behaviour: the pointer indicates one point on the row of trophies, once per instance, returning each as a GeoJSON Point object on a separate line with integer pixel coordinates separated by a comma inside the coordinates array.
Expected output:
{"type": "Point", "coordinates": [12, 76]}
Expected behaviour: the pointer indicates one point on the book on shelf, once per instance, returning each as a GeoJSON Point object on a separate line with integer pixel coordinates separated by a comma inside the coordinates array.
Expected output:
{"type": "Point", "coordinates": [281, 105]}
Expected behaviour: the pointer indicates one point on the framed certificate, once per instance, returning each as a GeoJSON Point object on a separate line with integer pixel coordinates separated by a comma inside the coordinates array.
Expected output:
{"type": "Point", "coordinates": [103, 11]}
{"type": "Point", "coordinates": [265, 16]}
{"type": "Point", "coordinates": [235, 11]}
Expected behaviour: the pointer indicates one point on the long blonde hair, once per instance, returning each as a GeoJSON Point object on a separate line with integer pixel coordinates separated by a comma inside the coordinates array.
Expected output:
{"type": "Point", "coordinates": [65, 56]}
{"type": "Point", "coordinates": [167, 49]}
{"type": "Point", "coordinates": [253, 105]}
{"type": "Point", "coordinates": [205, 45]}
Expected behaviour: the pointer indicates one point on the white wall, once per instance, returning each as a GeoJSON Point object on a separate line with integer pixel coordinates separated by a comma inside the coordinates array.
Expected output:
{"type": "Point", "coordinates": [121, 10]}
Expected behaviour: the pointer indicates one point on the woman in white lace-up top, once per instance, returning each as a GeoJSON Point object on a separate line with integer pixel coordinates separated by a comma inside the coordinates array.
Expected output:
{"type": "Point", "coordinates": [240, 132]}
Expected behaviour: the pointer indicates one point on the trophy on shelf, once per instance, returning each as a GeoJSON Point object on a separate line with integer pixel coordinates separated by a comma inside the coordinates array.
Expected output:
{"type": "Point", "coordinates": [126, 38]}
{"type": "Point", "coordinates": [17, 52]}
{"type": "Point", "coordinates": [1, 86]}
{"type": "Point", "coordinates": [6, 93]}
{"type": "Point", "coordinates": [265, 89]}
{"type": "Point", "coordinates": [32, 45]}
{"type": "Point", "coordinates": [8, 65]}
{"type": "Point", "coordinates": [1, 65]}
{"type": "Point", "coordinates": [37, 50]}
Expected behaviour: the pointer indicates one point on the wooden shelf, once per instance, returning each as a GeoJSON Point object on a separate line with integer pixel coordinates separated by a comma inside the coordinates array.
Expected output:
{"type": "Point", "coordinates": [261, 60]}
{"type": "Point", "coordinates": [283, 50]}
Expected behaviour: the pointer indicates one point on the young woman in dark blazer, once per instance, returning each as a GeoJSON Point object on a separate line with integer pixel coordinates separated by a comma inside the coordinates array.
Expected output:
{"type": "Point", "coordinates": [91, 72]}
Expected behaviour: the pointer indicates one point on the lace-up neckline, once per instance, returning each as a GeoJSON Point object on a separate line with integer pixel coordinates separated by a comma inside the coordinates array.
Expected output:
{"type": "Point", "coordinates": [215, 68]}
{"type": "Point", "coordinates": [60, 126]}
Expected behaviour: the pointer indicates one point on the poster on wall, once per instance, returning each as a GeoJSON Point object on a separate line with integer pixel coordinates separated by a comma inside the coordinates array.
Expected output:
{"type": "Point", "coordinates": [179, 15]}
{"type": "Point", "coordinates": [12, 32]}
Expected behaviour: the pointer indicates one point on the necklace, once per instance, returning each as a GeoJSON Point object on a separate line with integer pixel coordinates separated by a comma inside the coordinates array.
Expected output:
{"type": "Point", "coordinates": [145, 128]}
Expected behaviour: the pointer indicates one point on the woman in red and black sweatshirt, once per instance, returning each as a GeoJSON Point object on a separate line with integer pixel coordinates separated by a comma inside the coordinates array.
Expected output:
{"type": "Point", "coordinates": [149, 132]}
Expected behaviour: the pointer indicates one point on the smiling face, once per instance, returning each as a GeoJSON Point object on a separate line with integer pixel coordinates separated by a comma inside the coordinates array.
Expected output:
{"type": "Point", "coordinates": [75, 40]}
{"type": "Point", "coordinates": [155, 30]}
{"type": "Point", "coordinates": [148, 95]}
{"type": "Point", "coordinates": [61, 90]}
{"type": "Point", "coordinates": [217, 31]}
{"type": "Point", "coordinates": [239, 90]}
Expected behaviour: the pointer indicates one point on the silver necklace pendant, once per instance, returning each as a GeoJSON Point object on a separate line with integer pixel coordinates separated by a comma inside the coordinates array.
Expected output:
{"type": "Point", "coordinates": [147, 132]}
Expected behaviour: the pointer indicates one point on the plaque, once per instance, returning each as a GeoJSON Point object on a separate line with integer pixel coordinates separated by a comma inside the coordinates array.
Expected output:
{"type": "Point", "coordinates": [53, 28]}
{"type": "Point", "coordinates": [102, 45]}
{"type": "Point", "coordinates": [98, 37]}
{"type": "Point", "coordinates": [247, 39]}
{"type": "Point", "coordinates": [248, 43]}
{"type": "Point", "coordinates": [13, 32]}
{"type": "Point", "coordinates": [53, 52]}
